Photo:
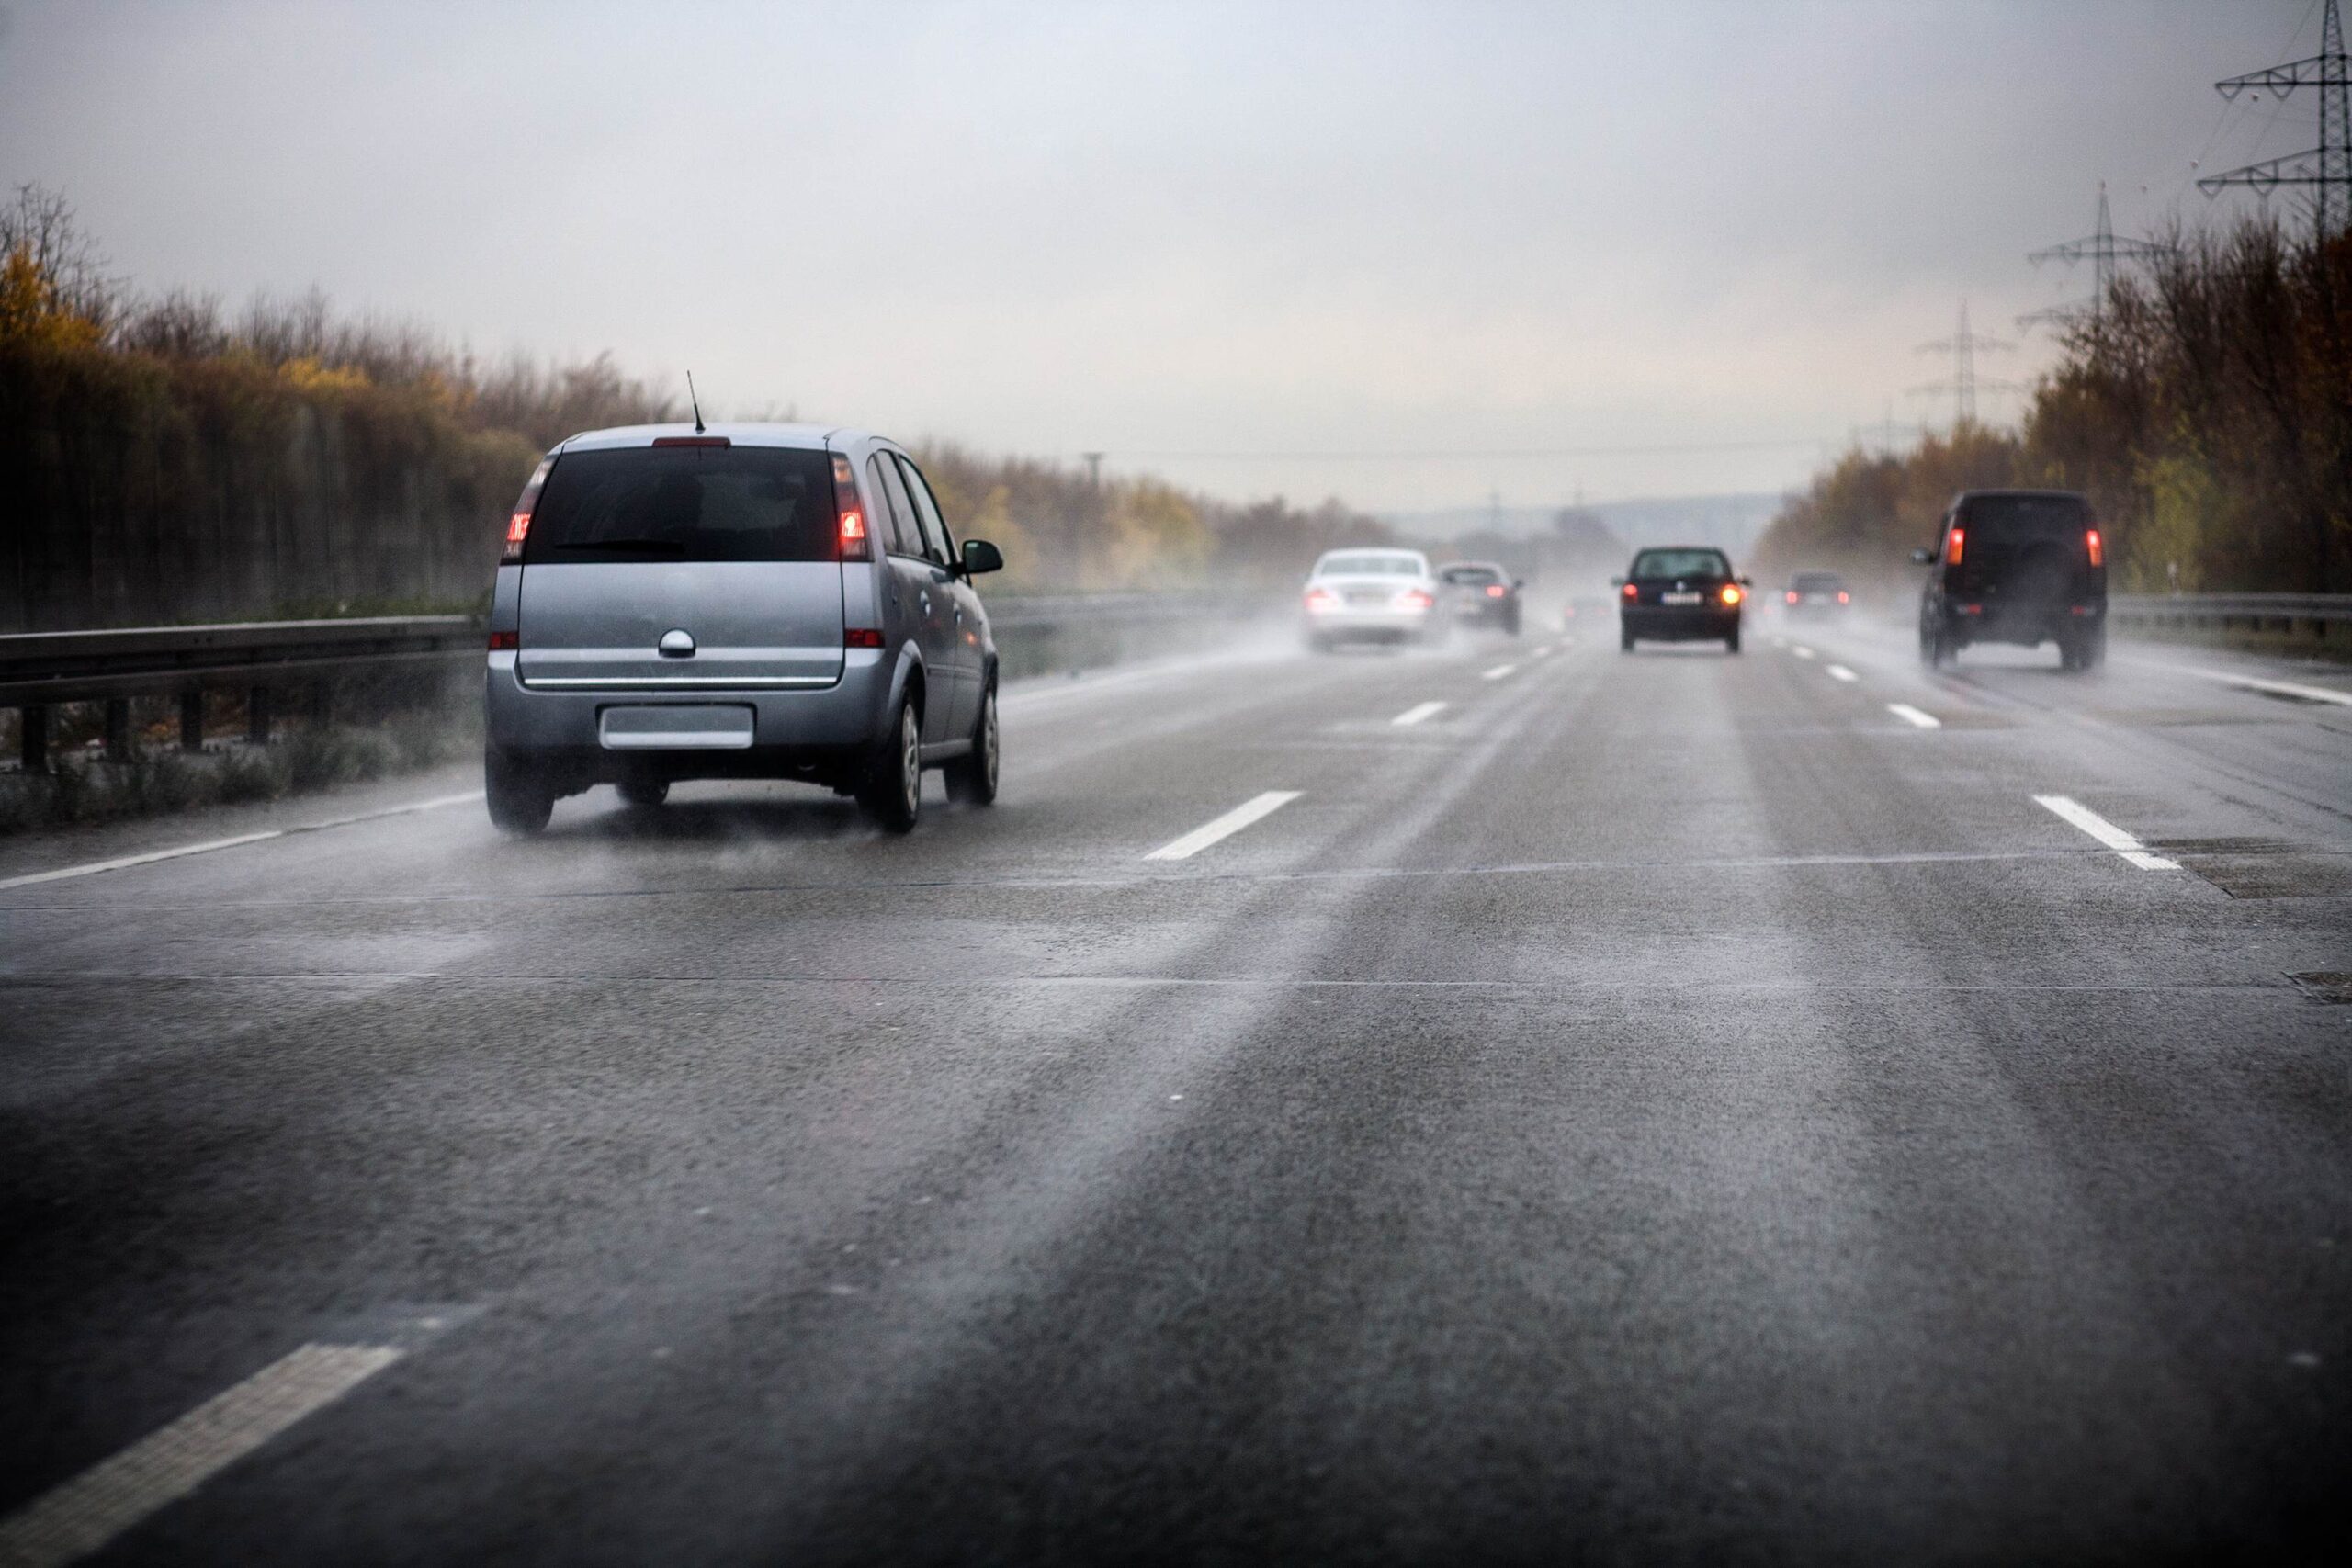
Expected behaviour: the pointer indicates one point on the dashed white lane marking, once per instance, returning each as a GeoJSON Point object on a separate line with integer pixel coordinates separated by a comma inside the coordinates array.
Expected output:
{"type": "Point", "coordinates": [123, 863]}
{"type": "Point", "coordinates": [83, 1513]}
{"type": "Point", "coordinates": [1418, 712]}
{"type": "Point", "coordinates": [2277, 688]}
{"type": "Point", "coordinates": [1910, 715]}
{"type": "Point", "coordinates": [1497, 672]}
{"type": "Point", "coordinates": [1802, 651]}
{"type": "Point", "coordinates": [1839, 673]}
{"type": "Point", "coordinates": [2106, 832]}
{"type": "Point", "coordinates": [1224, 827]}
{"type": "Point", "coordinates": [1540, 650]}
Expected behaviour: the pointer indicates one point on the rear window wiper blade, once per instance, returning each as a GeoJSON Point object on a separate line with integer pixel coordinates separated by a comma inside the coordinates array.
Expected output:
{"type": "Point", "coordinates": [670, 545]}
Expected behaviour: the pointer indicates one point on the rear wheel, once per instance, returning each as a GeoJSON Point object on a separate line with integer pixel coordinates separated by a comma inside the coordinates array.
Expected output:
{"type": "Point", "coordinates": [1624, 641]}
{"type": "Point", "coordinates": [1731, 643]}
{"type": "Point", "coordinates": [891, 792]}
{"type": "Point", "coordinates": [2091, 652]}
{"type": "Point", "coordinates": [645, 792]}
{"type": "Point", "coordinates": [521, 799]}
{"type": "Point", "coordinates": [971, 778]}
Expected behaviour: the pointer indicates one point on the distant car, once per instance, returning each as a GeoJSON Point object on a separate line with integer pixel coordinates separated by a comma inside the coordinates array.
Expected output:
{"type": "Point", "coordinates": [1371, 595]}
{"type": "Point", "coordinates": [745, 601]}
{"type": "Point", "coordinates": [2016, 566]}
{"type": "Point", "coordinates": [1480, 594]}
{"type": "Point", "coordinates": [1685, 593]}
{"type": "Point", "coordinates": [1815, 593]}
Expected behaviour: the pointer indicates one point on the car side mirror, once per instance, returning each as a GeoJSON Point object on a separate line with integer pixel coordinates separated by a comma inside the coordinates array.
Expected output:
{"type": "Point", "coordinates": [980, 555]}
{"type": "Point", "coordinates": [1616, 582]}
{"type": "Point", "coordinates": [1517, 584]}
{"type": "Point", "coordinates": [1748, 583]}
{"type": "Point", "coordinates": [1922, 557]}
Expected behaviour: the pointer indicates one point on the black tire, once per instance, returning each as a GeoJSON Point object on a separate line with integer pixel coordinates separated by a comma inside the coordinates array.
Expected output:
{"type": "Point", "coordinates": [645, 792]}
{"type": "Point", "coordinates": [1317, 643]}
{"type": "Point", "coordinates": [1935, 650]}
{"type": "Point", "coordinates": [891, 792]}
{"type": "Point", "coordinates": [520, 797]}
{"type": "Point", "coordinates": [1731, 643]}
{"type": "Point", "coordinates": [1624, 641]}
{"type": "Point", "coordinates": [971, 778]}
{"type": "Point", "coordinates": [2092, 651]}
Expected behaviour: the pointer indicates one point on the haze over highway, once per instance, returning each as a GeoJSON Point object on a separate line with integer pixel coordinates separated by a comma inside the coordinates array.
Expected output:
{"type": "Point", "coordinates": [1790, 1106]}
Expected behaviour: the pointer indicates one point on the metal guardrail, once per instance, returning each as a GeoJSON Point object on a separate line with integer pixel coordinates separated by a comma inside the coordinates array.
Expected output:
{"type": "Point", "coordinates": [2225, 612]}
{"type": "Point", "coordinates": [41, 668]}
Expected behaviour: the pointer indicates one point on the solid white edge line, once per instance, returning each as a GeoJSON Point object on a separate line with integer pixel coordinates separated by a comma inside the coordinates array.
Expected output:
{"type": "Point", "coordinates": [83, 1515]}
{"type": "Point", "coordinates": [123, 863]}
{"type": "Point", "coordinates": [1418, 712]}
{"type": "Point", "coordinates": [1839, 673]}
{"type": "Point", "coordinates": [1802, 651]}
{"type": "Point", "coordinates": [2106, 832]}
{"type": "Point", "coordinates": [1910, 715]}
{"type": "Point", "coordinates": [2283, 688]}
{"type": "Point", "coordinates": [1224, 827]}
{"type": "Point", "coordinates": [1497, 672]}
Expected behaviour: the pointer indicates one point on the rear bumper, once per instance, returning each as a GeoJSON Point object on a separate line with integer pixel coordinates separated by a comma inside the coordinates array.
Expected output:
{"type": "Point", "coordinates": [794, 733]}
{"type": "Point", "coordinates": [1369, 623]}
{"type": "Point", "coordinates": [2024, 625]}
{"type": "Point", "coordinates": [1680, 624]}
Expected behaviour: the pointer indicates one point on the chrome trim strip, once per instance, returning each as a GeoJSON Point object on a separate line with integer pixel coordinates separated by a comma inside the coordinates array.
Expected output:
{"type": "Point", "coordinates": [680, 682]}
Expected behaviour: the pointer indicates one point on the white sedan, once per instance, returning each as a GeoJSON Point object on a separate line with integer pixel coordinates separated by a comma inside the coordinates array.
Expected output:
{"type": "Point", "coordinates": [1371, 595]}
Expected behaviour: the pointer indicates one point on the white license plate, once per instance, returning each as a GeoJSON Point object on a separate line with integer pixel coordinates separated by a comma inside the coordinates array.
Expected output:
{"type": "Point", "coordinates": [1681, 598]}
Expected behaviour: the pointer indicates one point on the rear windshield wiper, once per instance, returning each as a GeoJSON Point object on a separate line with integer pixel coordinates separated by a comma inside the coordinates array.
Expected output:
{"type": "Point", "coordinates": [670, 545]}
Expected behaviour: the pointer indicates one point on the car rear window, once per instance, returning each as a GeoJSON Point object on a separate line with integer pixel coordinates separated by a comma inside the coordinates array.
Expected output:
{"type": "Point", "coordinates": [2007, 519]}
{"type": "Point", "coordinates": [703, 504]}
{"type": "Point", "coordinates": [1471, 576]}
{"type": "Point", "coordinates": [1369, 566]}
{"type": "Point", "coordinates": [1681, 563]}
{"type": "Point", "coordinates": [1815, 581]}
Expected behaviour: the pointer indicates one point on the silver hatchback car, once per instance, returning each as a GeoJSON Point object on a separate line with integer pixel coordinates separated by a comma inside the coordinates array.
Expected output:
{"type": "Point", "coordinates": [743, 601]}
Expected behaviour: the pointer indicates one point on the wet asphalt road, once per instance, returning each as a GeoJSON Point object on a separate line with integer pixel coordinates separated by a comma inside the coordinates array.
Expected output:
{"type": "Point", "coordinates": [1655, 1107]}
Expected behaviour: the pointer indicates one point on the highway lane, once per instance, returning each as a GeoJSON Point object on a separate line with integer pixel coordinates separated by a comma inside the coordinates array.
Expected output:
{"type": "Point", "coordinates": [1654, 1105]}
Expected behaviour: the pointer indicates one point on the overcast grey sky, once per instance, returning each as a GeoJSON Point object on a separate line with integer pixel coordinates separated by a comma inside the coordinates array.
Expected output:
{"type": "Point", "coordinates": [1169, 229]}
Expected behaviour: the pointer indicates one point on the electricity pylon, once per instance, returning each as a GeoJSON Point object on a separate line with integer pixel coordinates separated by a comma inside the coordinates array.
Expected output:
{"type": "Point", "coordinates": [2102, 250]}
{"type": "Point", "coordinates": [2326, 169]}
{"type": "Point", "coordinates": [1963, 346]}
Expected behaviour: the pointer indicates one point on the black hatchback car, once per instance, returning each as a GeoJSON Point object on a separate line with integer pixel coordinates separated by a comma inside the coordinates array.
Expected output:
{"type": "Point", "coordinates": [1686, 594]}
{"type": "Point", "coordinates": [1480, 594]}
{"type": "Point", "coordinates": [2016, 566]}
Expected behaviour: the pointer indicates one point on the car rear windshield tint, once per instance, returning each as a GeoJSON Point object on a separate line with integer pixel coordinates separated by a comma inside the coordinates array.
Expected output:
{"type": "Point", "coordinates": [1999, 519]}
{"type": "Point", "coordinates": [1681, 563]}
{"type": "Point", "coordinates": [702, 504]}
{"type": "Point", "coordinates": [1369, 566]}
{"type": "Point", "coordinates": [1471, 576]}
{"type": "Point", "coordinates": [1815, 581]}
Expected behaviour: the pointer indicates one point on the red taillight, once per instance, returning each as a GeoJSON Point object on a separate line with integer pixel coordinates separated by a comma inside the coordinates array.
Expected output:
{"type": "Point", "coordinates": [1495, 591]}
{"type": "Point", "coordinates": [856, 546]}
{"type": "Point", "coordinates": [1322, 598]}
{"type": "Point", "coordinates": [1842, 596]}
{"type": "Point", "coordinates": [1730, 593]}
{"type": "Point", "coordinates": [1632, 592]}
{"type": "Point", "coordinates": [2099, 550]}
{"type": "Point", "coordinates": [692, 441]}
{"type": "Point", "coordinates": [861, 637]}
{"type": "Point", "coordinates": [1791, 597]}
{"type": "Point", "coordinates": [518, 522]}
{"type": "Point", "coordinates": [1953, 541]}
{"type": "Point", "coordinates": [1414, 599]}
{"type": "Point", "coordinates": [505, 642]}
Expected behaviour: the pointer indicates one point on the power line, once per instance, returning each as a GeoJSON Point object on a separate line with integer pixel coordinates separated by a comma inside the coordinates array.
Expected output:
{"type": "Point", "coordinates": [1963, 384]}
{"type": "Point", "coordinates": [2102, 250]}
{"type": "Point", "coordinates": [2325, 170]}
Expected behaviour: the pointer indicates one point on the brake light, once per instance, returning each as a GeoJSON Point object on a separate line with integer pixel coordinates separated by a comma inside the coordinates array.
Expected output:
{"type": "Point", "coordinates": [1841, 596]}
{"type": "Point", "coordinates": [1414, 599]}
{"type": "Point", "coordinates": [2099, 550]}
{"type": "Point", "coordinates": [505, 642]}
{"type": "Point", "coordinates": [1792, 595]}
{"type": "Point", "coordinates": [1730, 593]}
{"type": "Point", "coordinates": [1322, 598]}
{"type": "Point", "coordinates": [856, 546]}
{"type": "Point", "coordinates": [692, 441]}
{"type": "Point", "coordinates": [518, 523]}
{"type": "Point", "coordinates": [1953, 541]}
{"type": "Point", "coordinates": [1632, 592]}
{"type": "Point", "coordinates": [1495, 591]}
{"type": "Point", "coordinates": [861, 637]}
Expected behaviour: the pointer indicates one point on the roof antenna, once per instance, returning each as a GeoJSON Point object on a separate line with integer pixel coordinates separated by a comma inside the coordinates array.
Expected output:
{"type": "Point", "coordinates": [693, 400]}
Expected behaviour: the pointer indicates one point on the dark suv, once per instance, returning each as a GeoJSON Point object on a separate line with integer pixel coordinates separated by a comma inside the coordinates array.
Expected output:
{"type": "Point", "coordinates": [2017, 566]}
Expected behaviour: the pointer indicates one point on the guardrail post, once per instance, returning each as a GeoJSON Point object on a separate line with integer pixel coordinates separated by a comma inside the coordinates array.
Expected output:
{"type": "Point", "coordinates": [118, 729]}
{"type": "Point", "coordinates": [257, 716]}
{"type": "Point", "coordinates": [32, 728]}
{"type": "Point", "coordinates": [191, 721]}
